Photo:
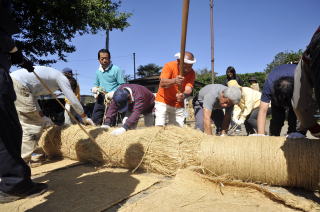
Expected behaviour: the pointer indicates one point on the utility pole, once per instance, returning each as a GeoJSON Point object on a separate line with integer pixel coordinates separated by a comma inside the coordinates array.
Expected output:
{"type": "Point", "coordinates": [107, 39]}
{"type": "Point", "coordinates": [212, 41]}
{"type": "Point", "coordinates": [134, 65]}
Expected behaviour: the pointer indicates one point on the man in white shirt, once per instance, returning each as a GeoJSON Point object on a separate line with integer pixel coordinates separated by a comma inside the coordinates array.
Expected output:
{"type": "Point", "coordinates": [28, 88]}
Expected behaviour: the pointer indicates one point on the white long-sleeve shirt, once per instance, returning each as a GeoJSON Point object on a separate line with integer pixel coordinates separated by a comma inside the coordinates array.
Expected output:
{"type": "Point", "coordinates": [53, 78]}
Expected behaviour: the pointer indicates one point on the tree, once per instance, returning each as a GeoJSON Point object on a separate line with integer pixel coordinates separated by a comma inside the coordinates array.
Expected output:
{"type": "Point", "coordinates": [47, 26]}
{"type": "Point", "coordinates": [148, 70]}
{"type": "Point", "coordinates": [284, 58]}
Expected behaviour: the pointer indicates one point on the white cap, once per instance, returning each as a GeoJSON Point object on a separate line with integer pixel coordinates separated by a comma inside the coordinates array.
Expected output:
{"type": "Point", "coordinates": [186, 60]}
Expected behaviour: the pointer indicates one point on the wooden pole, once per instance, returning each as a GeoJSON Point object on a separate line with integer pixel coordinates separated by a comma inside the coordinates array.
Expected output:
{"type": "Point", "coordinates": [72, 117]}
{"type": "Point", "coordinates": [212, 41]}
{"type": "Point", "coordinates": [185, 13]}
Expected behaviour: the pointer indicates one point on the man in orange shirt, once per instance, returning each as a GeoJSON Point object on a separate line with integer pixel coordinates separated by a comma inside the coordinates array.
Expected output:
{"type": "Point", "coordinates": [169, 103]}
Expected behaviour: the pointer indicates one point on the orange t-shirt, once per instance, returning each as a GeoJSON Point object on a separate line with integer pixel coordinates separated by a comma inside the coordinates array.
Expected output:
{"type": "Point", "coordinates": [168, 95]}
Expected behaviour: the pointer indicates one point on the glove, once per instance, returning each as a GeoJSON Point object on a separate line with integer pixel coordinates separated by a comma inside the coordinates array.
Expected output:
{"type": "Point", "coordinates": [105, 126]}
{"type": "Point", "coordinates": [257, 135]}
{"type": "Point", "coordinates": [118, 131]}
{"type": "Point", "coordinates": [295, 135]}
{"type": "Point", "coordinates": [124, 120]}
{"type": "Point", "coordinates": [223, 135]}
{"type": "Point", "coordinates": [87, 121]}
{"type": "Point", "coordinates": [46, 122]}
{"type": "Point", "coordinates": [238, 121]}
{"type": "Point", "coordinates": [17, 57]}
{"type": "Point", "coordinates": [27, 64]}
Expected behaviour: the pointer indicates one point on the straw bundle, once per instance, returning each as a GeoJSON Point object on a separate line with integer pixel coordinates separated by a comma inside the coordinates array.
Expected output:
{"type": "Point", "coordinates": [272, 160]}
{"type": "Point", "coordinates": [161, 150]}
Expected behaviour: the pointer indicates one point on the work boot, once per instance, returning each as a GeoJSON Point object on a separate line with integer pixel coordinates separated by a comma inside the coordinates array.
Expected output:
{"type": "Point", "coordinates": [36, 190]}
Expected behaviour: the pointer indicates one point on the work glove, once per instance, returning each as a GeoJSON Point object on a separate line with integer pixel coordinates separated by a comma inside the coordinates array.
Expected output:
{"type": "Point", "coordinates": [94, 90]}
{"type": "Point", "coordinates": [295, 135]}
{"type": "Point", "coordinates": [46, 122]}
{"type": "Point", "coordinates": [87, 121]}
{"type": "Point", "coordinates": [257, 135]}
{"type": "Point", "coordinates": [105, 126]}
{"type": "Point", "coordinates": [118, 131]}
{"type": "Point", "coordinates": [238, 121]}
{"type": "Point", "coordinates": [17, 58]}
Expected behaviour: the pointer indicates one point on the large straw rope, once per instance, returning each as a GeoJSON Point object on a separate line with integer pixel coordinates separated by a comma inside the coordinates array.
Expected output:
{"type": "Point", "coordinates": [271, 160]}
{"type": "Point", "coordinates": [161, 150]}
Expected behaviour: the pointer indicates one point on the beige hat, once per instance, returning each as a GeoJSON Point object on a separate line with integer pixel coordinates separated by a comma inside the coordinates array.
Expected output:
{"type": "Point", "coordinates": [233, 83]}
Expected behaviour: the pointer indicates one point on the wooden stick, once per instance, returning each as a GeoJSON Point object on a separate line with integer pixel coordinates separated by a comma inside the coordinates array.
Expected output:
{"type": "Point", "coordinates": [185, 13]}
{"type": "Point", "coordinates": [69, 113]}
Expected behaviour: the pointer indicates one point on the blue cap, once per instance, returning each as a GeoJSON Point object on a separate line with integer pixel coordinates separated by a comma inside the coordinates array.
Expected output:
{"type": "Point", "coordinates": [120, 97]}
{"type": "Point", "coordinates": [67, 70]}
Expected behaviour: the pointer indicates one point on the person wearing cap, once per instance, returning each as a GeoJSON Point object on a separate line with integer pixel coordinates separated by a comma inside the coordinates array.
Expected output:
{"type": "Point", "coordinates": [108, 78]}
{"type": "Point", "coordinates": [278, 90]}
{"type": "Point", "coordinates": [76, 90]}
{"type": "Point", "coordinates": [307, 86]}
{"type": "Point", "coordinates": [254, 83]}
{"type": "Point", "coordinates": [208, 105]}
{"type": "Point", "coordinates": [134, 100]}
{"type": "Point", "coordinates": [28, 88]}
{"type": "Point", "coordinates": [169, 101]}
{"type": "Point", "coordinates": [246, 111]}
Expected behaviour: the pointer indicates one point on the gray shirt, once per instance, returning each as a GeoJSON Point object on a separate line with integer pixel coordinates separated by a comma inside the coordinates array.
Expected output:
{"type": "Point", "coordinates": [209, 96]}
{"type": "Point", "coordinates": [53, 78]}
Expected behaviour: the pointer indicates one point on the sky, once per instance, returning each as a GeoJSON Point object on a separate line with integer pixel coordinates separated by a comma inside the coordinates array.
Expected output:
{"type": "Point", "coordinates": [247, 35]}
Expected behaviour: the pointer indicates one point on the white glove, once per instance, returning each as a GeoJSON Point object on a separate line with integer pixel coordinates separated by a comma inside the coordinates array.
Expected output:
{"type": "Point", "coordinates": [257, 135]}
{"type": "Point", "coordinates": [124, 120]}
{"type": "Point", "coordinates": [94, 90]}
{"type": "Point", "coordinates": [223, 135]}
{"type": "Point", "coordinates": [87, 121]}
{"type": "Point", "coordinates": [238, 121]}
{"type": "Point", "coordinates": [295, 135]}
{"type": "Point", "coordinates": [46, 122]}
{"type": "Point", "coordinates": [105, 126]}
{"type": "Point", "coordinates": [118, 131]}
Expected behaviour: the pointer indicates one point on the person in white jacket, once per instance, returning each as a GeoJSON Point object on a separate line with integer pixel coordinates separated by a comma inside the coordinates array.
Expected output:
{"type": "Point", "coordinates": [28, 88]}
{"type": "Point", "coordinates": [246, 111]}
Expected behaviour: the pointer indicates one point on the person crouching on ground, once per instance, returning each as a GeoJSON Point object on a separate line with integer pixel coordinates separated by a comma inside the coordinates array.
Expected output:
{"type": "Point", "coordinates": [134, 100]}
{"type": "Point", "coordinates": [208, 105]}
{"type": "Point", "coordinates": [169, 103]}
{"type": "Point", "coordinates": [246, 111]}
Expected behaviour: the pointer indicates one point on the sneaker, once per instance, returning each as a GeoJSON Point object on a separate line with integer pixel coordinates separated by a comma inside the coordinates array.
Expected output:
{"type": "Point", "coordinates": [36, 190]}
{"type": "Point", "coordinates": [5, 198]}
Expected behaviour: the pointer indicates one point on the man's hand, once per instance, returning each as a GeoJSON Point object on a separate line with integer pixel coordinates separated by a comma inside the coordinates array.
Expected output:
{"type": "Point", "coordinates": [87, 121]}
{"type": "Point", "coordinates": [179, 79]}
{"type": "Point", "coordinates": [118, 131]}
{"type": "Point", "coordinates": [94, 90]}
{"type": "Point", "coordinates": [46, 122]}
{"type": "Point", "coordinates": [180, 97]}
{"type": "Point", "coordinates": [105, 126]}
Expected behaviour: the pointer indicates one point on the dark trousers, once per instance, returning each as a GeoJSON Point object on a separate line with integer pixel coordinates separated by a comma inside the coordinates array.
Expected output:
{"type": "Point", "coordinates": [98, 110]}
{"type": "Point", "coordinates": [251, 121]}
{"type": "Point", "coordinates": [217, 116]}
{"type": "Point", "coordinates": [278, 114]}
{"type": "Point", "coordinates": [14, 172]}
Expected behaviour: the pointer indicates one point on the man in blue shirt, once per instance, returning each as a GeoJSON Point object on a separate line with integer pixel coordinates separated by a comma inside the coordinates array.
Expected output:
{"type": "Point", "coordinates": [108, 78]}
{"type": "Point", "coordinates": [278, 90]}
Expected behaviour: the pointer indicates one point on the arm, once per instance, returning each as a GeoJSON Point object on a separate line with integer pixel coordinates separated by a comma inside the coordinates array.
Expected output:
{"type": "Point", "coordinates": [261, 121]}
{"type": "Point", "coordinates": [111, 113]}
{"type": "Point", "coordinates": [166, 83]}
{"type": "Point", "coordinates": [207, 121]}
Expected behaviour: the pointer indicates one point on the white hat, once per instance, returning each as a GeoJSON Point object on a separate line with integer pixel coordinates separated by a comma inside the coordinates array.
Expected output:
{"type": "Point", "coordinates": [187, 61]}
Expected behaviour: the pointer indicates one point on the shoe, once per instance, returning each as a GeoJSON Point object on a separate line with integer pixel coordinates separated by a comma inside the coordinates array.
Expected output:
{"type": "Point", "coordinates": [5, 198]}
{"type": "Point", "coordinates": [36, 190]}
